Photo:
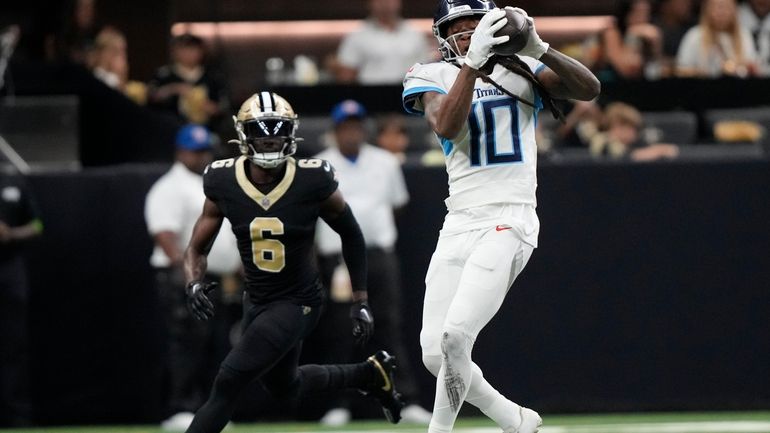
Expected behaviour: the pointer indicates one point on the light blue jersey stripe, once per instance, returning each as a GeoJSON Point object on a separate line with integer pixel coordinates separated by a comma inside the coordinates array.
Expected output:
{"type": "Point", "coordinates": [409, 96]}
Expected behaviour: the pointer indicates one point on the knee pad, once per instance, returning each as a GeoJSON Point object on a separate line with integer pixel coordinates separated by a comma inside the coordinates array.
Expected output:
{"type": "Point", "coordinates": [455, 344]}
{"type": "Point", "coordinates": [432, 363]}
{"type": "Point", "coordinates": [229, 381]}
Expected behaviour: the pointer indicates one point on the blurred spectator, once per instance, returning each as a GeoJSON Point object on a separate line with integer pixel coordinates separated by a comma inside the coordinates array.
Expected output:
{"type": "Point", "coordinates": [19, 222]}
{"type": "Point", "coordinates": [631, 48]}
{"type": "Point", "coordinates": [620, 137]}
{"type": "Point", "coordinates": [78, 34]}
{"type": "Point", "coordinates": [186, 86]}
{"type": "Point", "coordinates": [109, 60]}
{"type": "Point", "coordinates": [372, 183]}
{"type": "Point", "coordinates": [673, 18]}
{"type": "Point", "coordinates": [109, 63]}
{"type": "Point", "coordinates": [754, 16]}
{"type": "Point", "coordinates": [718, 45]}
{"type": "Point", "coordinates": [9, 38]}
{"type": "Point", "coordinates": [580, 124]}
{"type": "Point", "coordinates": [383, 49]}
{"type": "Point", "coordinates": [391, 135]}
{"type": "Point", "coordinates": [195, 348]}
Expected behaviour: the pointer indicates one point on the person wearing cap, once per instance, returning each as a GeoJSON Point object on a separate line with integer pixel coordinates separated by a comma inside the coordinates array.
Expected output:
{"type": "Point", "coordinates": [372, 182]}
{"type": "Point", "coordinates": [171, 208]}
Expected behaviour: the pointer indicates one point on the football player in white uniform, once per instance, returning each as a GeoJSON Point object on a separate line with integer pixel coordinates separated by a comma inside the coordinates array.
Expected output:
{"type": "Point", "coordinates": [487, 132]}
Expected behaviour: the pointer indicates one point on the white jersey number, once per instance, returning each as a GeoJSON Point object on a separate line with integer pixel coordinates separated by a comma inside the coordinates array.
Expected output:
{"type": "Point", "coordinates": [500, 148]}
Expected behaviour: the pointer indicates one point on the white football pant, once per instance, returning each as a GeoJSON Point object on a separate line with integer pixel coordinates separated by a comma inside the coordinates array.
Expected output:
{"type": "Point", "coordinates": [467, 280]}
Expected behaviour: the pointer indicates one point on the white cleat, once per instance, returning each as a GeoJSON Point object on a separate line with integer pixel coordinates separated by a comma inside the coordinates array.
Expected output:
{"type": "Point", "coordinates": [530, 421]}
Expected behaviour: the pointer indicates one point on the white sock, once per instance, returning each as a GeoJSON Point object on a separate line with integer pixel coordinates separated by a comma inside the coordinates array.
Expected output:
{"type": "Point", "coordinates": [499, 409]}
{"type": "Point", "coordinates": [452, 382]}
{"type": "Point", "coordinates": [481, 394]}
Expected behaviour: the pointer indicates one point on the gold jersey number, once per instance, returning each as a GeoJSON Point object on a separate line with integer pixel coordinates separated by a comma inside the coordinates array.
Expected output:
{"type": "Point", "coordinates": [269, 255]}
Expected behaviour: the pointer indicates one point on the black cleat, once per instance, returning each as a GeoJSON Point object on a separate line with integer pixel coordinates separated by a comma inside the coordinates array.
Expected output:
{"type": "Point", "coordinates": [384, 389]}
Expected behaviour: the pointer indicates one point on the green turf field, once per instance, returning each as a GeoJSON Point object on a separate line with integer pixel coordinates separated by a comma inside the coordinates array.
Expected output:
{"type": "Point", "coordinates": [713, 422]}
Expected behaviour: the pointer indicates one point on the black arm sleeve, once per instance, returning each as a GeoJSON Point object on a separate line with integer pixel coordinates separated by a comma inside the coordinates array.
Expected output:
{"type": "Point", "coordinates": [353, 247]}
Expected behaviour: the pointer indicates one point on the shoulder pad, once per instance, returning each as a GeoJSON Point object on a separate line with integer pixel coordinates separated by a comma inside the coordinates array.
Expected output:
{"type": "Point", "coordinates": [321, 165]}
{"type": "Point", "coordinates": [218, 164]}
{"type": "Point", "coordinates": [423, 78]}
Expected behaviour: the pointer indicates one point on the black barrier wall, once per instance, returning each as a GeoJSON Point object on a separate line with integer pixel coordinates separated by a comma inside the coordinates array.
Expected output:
{"type": "Point", "coordinates": [650, 290]}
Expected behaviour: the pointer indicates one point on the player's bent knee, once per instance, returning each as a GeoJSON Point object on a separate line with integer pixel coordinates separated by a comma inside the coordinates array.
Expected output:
{"type": "Point", "coordinates": [432, 363]}
{"type": "Point", "coordinates": [229, 382]}
{"type": "Point", "coordinates": [455, 344]}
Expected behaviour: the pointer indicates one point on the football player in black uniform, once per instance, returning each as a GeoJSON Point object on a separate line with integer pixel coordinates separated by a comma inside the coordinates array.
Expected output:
{"type": "Point", "coordinates": [273, 202]}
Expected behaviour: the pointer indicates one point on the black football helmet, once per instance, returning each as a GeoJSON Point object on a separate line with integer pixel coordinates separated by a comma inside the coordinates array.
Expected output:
{"type": "Point", "coordinates": [448, 11]}
{"type": "Point", "coordinates": [266, 116]}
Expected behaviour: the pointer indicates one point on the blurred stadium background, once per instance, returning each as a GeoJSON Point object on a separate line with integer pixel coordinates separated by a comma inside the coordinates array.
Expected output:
{"type": "Point", "coordinates": [647, 300]}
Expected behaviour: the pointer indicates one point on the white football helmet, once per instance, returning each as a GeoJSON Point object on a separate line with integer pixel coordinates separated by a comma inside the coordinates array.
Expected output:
{"type": "Point", "coordinates": [265, 117]}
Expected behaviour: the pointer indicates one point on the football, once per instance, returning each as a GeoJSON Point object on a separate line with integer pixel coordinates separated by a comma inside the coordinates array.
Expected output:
{"type": "Point", "coordinates": [517, 28]}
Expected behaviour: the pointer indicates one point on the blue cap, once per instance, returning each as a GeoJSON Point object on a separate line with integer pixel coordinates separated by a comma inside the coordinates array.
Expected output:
{"type": "Point", "coordinates": [346, 110]}
{"type": "Point", "coordinates": [193, 137]}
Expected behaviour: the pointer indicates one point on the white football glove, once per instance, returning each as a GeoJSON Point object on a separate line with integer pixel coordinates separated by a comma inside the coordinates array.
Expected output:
{"type": "Point", "coordinates": [483, 38]}
{"type": "Point", "coordinates": [535, 47]}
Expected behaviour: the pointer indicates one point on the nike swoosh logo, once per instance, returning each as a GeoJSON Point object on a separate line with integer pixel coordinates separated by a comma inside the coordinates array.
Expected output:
{"type": "Point", "coordinates": [503, 227]}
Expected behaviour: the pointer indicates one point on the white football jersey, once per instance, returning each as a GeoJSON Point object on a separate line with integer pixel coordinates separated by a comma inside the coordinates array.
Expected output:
{"type": "Point", "coordinates": [494, 157]}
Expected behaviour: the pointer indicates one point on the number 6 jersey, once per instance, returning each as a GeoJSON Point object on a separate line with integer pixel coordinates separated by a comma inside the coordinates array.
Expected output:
{"type": "Point", "coordinates": [275, 231]}
{"type": "Point", "coordinates": [494, 157]}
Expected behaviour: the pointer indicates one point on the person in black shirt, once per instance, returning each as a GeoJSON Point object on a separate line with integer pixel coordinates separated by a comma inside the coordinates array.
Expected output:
{"type": "Point", "coordinates": [187, 87]}
{"type": "Point", "coordinates": [19, 222]}
{"type": "Point", "coordinates": [273, 203]}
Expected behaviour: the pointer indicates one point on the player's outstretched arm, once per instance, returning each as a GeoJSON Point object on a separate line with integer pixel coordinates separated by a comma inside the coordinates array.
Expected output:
{"type": "Point", "coordinates": [338, 215]}
{"type": "Point", "coordinates": [566, 78]}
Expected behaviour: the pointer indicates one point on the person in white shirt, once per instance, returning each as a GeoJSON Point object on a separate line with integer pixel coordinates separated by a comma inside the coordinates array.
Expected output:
{"type": "Point", "coordinates": [382, 49]}
{"type": "Point", "coordinates": [754, 16]}
{"type": "Point", "coordinates": [171, 208]}
{"type": "Point", "coordinates": [718, 45]}
{"type": "Point", "coordinates": [373, 185]}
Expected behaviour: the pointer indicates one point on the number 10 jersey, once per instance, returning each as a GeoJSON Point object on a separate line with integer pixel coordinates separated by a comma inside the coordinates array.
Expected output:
{"type": "Point", "coordinates": [494, 157]}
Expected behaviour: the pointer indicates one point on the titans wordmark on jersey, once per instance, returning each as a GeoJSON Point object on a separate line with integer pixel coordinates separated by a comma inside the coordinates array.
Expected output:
{"type": "Point", "coordinates": [275, 231]}
{"type": "Point", "coordinates": [494, 157]}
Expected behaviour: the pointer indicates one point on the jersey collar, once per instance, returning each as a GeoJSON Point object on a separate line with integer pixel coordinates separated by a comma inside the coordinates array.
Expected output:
{"type": "Point", "coordinates": [264, 201]}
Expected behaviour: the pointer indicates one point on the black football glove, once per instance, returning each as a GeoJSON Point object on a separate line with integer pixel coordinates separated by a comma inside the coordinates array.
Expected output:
{"type": "Point", "coordinates": [363, 322]}
{"type": "Point", "coordinates": [197, 302]}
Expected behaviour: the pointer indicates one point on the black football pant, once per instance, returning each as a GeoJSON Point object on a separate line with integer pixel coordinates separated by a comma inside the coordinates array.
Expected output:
{"type": "Point", "coordinates": [385, 299]}
{"type": "Point", "coordinates": [269, 352]}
